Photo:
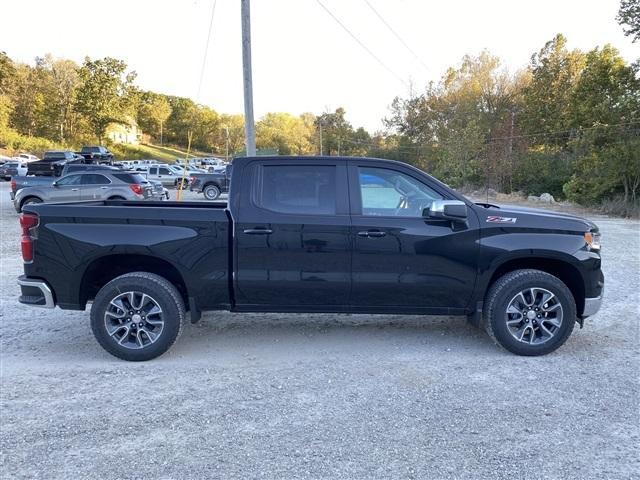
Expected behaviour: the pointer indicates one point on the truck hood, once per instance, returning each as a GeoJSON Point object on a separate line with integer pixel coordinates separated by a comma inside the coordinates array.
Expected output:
{"type": "Point", "coordinates": [525, 216]}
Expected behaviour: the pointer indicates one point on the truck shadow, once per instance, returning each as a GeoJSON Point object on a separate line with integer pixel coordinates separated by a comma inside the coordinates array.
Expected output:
{"type": "Point", "coordinates": [299, 336]}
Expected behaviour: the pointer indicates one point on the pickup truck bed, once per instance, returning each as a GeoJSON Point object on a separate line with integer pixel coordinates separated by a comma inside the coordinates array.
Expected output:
{"type": "Point", "coordinates": [186, 239]}
{"type": "Point", "coordinates": [318, 234]}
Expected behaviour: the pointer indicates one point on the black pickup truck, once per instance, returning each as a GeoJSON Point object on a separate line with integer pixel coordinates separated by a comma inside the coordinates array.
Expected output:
{"type": "Point", "coordinates": [211, 185]}
{"type": "Point", "coordinates": [315, 234]}
{"type": "Point", "coordinates": [96, 154]}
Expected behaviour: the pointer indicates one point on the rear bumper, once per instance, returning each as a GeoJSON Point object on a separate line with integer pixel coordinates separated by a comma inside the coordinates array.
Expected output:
{"type": "Point", "coordinates": [35, 292]}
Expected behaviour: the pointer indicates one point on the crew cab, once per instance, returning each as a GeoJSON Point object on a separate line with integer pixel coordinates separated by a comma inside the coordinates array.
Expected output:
{"type": "Point", "coordinates": [313, 234]}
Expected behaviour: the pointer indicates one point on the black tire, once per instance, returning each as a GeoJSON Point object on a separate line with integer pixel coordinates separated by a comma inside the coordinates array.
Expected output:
{"type": "Point", "coordinates": [166, 297]}
{"type": "Point", "coordinates": [211, 192]}
{"type": "Point", "coordinates": [116, 198]}
{"type": "Point", "coordinates": [505, 290]}
{"type": "Point", "coordinates": [28, 201]}
{"type": "Point", "coordinates": [184, 183]}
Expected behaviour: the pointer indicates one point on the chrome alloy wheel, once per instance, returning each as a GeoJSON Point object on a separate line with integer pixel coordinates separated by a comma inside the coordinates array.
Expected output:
{"type": "Point", "coordinates": [134, 320]}
{"type": "Point", "coordinates": [534, 316]}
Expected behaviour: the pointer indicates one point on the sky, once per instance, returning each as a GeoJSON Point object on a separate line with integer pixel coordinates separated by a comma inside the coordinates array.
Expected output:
{"type": "Point", "coordinates": [303, 61]}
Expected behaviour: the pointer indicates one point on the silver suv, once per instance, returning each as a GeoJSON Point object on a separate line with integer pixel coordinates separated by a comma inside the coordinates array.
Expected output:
{"type": "Point", "coordinates": [91, 185]}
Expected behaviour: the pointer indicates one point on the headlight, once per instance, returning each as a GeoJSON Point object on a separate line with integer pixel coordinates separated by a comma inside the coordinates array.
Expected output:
{"type": "Point", "coordinates": [593, 241]}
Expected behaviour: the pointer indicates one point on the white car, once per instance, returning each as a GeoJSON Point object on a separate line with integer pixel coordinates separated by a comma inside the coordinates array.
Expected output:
{"type": "Point", "coordinates": [13, 168]}
{"type": "Point", "coordinates": [26, 158]}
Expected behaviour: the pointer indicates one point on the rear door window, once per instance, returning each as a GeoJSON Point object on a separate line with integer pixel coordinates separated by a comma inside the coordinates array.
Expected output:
{"type": "Point", "coordinates": [297, 189]}
{"type": "Point", "coordinates": [94, 179]}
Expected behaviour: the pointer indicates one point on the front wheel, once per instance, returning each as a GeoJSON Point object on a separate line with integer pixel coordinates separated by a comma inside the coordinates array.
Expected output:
{"type": "Point", "coordinates": [211, 192]}
{"type": "Point", "coordinates": [529, 312]}
{"type": "Point", "coordinates": [137, 316]}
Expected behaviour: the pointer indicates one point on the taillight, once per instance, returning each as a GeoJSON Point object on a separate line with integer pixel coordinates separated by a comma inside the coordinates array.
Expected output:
{"type": "Point", "coordinates": [192, 180]}
{"type": "Point", "coordinates": [13, 185]}
{"type": "Point", "coordinates": [29, 223]}
{"type": "Point", "coordinates": [136, 188]}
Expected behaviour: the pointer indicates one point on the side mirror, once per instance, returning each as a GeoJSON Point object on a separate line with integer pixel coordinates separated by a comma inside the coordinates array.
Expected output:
{"type": "Point", "coordinates": [453, 210]}
{"type": "Point", "coordinates": [54, 184]}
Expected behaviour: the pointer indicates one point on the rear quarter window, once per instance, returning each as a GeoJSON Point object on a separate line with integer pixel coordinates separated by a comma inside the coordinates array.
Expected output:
{"type": "Point", "coordinates": [130, 178]}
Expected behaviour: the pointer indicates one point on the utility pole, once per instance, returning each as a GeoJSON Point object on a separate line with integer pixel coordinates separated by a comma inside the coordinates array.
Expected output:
{"type": "Point", "coordinates": [249, 127]}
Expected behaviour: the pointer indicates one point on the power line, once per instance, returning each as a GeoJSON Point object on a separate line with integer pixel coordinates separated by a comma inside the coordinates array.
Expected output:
{"type": "Point", "coordinates": [396, 34]}
{"type": "Point", "coordinates": [359, 42]}
{"type": "Point", "coordinates": [206, 49]}
{"type": "Point", "coordinates": [423, 148]}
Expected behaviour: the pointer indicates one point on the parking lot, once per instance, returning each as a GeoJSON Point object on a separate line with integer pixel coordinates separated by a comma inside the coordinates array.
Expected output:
{"type": "Point", "coordinates": [322, 396]}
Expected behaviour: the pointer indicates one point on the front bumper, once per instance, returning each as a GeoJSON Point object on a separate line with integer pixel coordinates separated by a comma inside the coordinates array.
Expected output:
{"type": "Point", "coordinates": [591, 306]}
{"type": "Point", "coordinates": [35, 292]}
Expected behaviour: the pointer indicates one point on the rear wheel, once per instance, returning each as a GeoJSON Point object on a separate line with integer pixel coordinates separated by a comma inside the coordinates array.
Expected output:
{"type": "Point", "coordinates": [29, 201]}
{"type": "Point", "coordinates": [529, 312]}
{"type": "Point", "coordinates": [182, 184]}
{"type": "Point", "coordinates": [137, 316]}
{"type": "Point", "coordinates": [211, 192]}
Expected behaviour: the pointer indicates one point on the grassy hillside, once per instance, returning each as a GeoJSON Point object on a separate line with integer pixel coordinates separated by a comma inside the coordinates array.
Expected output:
{"type": "Point", "coordinates": [12, 143]}
{"type": "Point", "coordinates": [155, 152]}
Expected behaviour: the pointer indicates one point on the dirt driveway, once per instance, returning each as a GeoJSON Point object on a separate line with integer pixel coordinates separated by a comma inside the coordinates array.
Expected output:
{"type": "Point", "coordinates": [322, 396]}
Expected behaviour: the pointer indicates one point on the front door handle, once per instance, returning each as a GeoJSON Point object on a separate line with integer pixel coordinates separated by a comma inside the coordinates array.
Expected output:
{"type": "Point", "coordinates": [372, 234]}
{"type": "Point", "coordinates": [75, 189]}
{"type": "Point", "coordinates": [258, 231]}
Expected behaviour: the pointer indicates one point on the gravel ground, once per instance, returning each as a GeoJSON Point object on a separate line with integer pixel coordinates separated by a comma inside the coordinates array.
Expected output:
{"type": "Point", "coordinates": [322, 396]}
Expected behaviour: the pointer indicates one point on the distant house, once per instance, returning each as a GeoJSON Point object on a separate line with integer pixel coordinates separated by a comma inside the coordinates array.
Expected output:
{"type": "Point", "coordinates": [128, 132]}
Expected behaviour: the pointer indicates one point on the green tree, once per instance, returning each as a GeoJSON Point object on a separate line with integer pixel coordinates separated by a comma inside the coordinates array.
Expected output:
{"type": "Point", "coordinates": [104, 94]}
{"type": "Point", "coordinates": [629, 18]}
{"type": "Point", "coordinates": [153, 112]}
{"type": "Point", "coordinates": [547, 99]}
{"type": "Point", "coordinates": [285, 132]}
{"type": "Point", "coordinates": [333, 131]}
{"type": "Point", "coordinates": [607, 91]}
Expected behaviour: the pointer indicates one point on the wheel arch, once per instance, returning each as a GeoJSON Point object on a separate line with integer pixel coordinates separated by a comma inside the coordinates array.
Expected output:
{"type": "Point", "coordinates": [104, 269]}
{"type": "Point", "coordinates": [560, 268]}
{"type": "Point", "coordinates": [22, 201]}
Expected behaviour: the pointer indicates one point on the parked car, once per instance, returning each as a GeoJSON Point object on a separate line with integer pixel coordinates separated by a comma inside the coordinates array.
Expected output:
{"type": "Point", "coordinates": [31, 181]}
{"type": "Point", "coordinates": [98, 185]}
{"type": "Point", "coordinates": [52, 163]}
{"type": "Point", "coordinates": [96, 154]}
{"type": "Point", "coordinates": [12, 168]}
{"type": "Point", "coordinates": [211, 185]}
{"type": "Point", "coordinates": [314, 235]}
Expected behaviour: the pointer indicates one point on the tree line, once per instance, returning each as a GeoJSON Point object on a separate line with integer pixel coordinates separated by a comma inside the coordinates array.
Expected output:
{"type": "Point", "coordinates": [568, 123]}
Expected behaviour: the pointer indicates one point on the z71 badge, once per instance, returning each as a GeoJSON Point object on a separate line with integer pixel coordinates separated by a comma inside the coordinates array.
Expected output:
{"type": "Point", "coordinates": [496, 219]}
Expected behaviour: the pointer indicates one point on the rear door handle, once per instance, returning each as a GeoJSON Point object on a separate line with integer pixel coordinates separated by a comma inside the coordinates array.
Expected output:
{"type": "Point", "coordinates": [371, 233]}
{"type": "Point", "coordinates": [75, 189]}
{"type": "Point", "coordinates": [258, 231]}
